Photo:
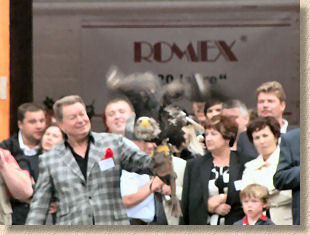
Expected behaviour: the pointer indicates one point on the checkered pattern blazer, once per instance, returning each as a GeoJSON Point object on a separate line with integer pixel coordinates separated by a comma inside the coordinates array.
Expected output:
{"type": "Point", "coordinates": [81, 201]}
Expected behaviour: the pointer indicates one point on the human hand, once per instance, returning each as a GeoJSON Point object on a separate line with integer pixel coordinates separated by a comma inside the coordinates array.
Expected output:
{"type": "Point", "coordinates": [156, 184]}
{"type": "Point", "coordinates": [3, 155]}
{"type": "Point", "coordinates": [223, 209]}
{"type": "Point", "coordinates": [53, 208]}
{"type": "Point", "coordinates": [166, 190]}
{"type": "Point", "coordinates": [215, 201]}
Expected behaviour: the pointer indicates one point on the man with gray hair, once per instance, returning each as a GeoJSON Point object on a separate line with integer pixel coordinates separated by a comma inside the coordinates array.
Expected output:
{"type": "Point", "coordinates": [237, 110]}
{"type": "Point", "coordinates": [83, 172]}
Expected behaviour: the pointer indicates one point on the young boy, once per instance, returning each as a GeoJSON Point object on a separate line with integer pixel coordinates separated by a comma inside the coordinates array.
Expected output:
{"type": "Point", "coordinates": [254, 199]}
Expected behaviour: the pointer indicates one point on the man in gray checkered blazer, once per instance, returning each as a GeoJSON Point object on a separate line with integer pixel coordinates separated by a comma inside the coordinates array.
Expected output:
{"type": "Point", "coordinates": [83, 172]}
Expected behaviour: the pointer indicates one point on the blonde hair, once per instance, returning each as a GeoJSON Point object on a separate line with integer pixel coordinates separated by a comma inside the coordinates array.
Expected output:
{"type": "Point", "coordinates": [194, 145]}
{"type": "Point", "coordinates": [255, 190]}
{"type": "Point", "coordinates": [272, 87]}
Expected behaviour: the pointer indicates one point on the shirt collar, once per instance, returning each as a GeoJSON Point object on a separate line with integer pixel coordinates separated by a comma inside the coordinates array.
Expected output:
{"type": "Point", "coordinates": [27, 151]}
{"type": "Point", "coordinates": [284, 127]}
{"type": "Point", "coordinates": [246, 222]}
{"type": "Point", "coordinates": [90, 139]}
{"type": "Point", "coordinates": [272, 160]}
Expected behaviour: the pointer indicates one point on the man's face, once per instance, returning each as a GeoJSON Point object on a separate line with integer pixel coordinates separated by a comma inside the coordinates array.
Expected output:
{"type": "Point", "coordinates": [268, 104]}
{"type": "Point", "coordinates": [33, 126]}
{"type": "Point", "coordinates": [241, 120]}
{"type": "Point", "coordinates": [116, 116]}
{"type": "Point", "coordinates": [198, 111]}
{"type": "Point", "coordinates": [75, 121]}
{"type": "Point", "coordinates": [146, 147]}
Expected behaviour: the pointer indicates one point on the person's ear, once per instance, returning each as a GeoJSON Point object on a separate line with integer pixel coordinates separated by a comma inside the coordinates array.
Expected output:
{"type": "Point", "coordinates": [19, 124]}
{"type": "Point", "coordinates": [247, 119]}
{"type": "Point", "coordinates": [283, 105]}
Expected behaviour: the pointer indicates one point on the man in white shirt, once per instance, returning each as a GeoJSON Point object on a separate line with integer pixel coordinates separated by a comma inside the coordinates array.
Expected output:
{"type": "Point", "coordinates": [271, 101]}
{"type": "Point", "coordinates": [24, 146]}
{"type": "Point", "coordinates": [137, 191]}
{"type": "Point", "coordinates": [115, 115]}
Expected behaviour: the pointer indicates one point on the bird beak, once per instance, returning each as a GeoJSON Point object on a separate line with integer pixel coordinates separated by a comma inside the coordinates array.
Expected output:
{"type": "Point", "coordinates": [145, 123]}
{"type": "Point", "coordinates": [163, 148]}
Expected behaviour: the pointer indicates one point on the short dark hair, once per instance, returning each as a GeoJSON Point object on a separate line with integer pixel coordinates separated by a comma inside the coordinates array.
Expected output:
{"type": "Point", "coordinates": [112, 101]}
{"type": "Point", "coordinates": [260, 123]}
{"type": "Point", "coordinates": [54, 124]}
{"type": "Point", "coordinates": [27, 107]}
{"type": "Point", "coordinates": [227, 126]}
{"type": "Point", "coordinates": [118, 100]}
{"type": "Point", "coordinates": [211, 102]}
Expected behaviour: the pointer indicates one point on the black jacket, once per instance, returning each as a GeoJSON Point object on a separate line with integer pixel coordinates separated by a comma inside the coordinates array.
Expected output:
{"type": "Point", "coordinates": [196, 193]}
{"type": "Point", "coordinates": [30, 163]}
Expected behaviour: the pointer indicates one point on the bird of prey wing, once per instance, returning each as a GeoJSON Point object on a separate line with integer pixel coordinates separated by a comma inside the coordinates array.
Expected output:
{"type": "Point", "coordinates": [156, 119]}
{"type": "Point", "coordinates": [142, 89]}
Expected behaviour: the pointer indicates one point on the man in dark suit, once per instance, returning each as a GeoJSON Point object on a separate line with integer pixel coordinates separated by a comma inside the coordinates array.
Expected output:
{"type": "Point", "coordinates": [287, 175]}
{"type": "Point", "coordinates": [25, 147]}
{"type": "Point", "coordinates": [83, 172]}
{"type": "Point", "coordinates": [237, 110]}
{"type": "Point", "coordinates": [271, 101]}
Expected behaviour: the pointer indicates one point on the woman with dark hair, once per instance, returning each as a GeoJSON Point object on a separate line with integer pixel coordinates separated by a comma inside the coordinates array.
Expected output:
{"type": "Point", "coordinates": [264, 133]}
{"type": "Point", "coordinates": [51, 137]}
{"type": "Point", "coordinates": [212, 108]}
{"type": "Point", "coordinates": [210, 195]}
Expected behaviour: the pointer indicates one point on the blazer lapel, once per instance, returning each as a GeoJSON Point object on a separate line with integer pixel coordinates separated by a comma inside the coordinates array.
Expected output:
{"type": "Point", "coordinates": [70, 161]}
{"type": "Point", "coordinates": [205, 170]}
{"type": "Point", "coordinates": [95, 154]}
{"type": "Point", "coordinates": [234, 169]}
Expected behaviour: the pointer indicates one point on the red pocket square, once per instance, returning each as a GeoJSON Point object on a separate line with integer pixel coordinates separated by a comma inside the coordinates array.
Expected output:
{"type": "Point", "coordinates": [108, 154]}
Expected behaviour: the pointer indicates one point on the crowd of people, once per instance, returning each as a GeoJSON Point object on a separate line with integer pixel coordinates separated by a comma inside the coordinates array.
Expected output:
{"type": "Point", "coordinates": [241, 168]}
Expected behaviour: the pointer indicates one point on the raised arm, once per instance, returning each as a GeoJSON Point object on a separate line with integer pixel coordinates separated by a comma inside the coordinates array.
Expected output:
{"type": "Point", "coordinates": [133, 159]}
{"type": "Point", "coordinates": [17, 180]}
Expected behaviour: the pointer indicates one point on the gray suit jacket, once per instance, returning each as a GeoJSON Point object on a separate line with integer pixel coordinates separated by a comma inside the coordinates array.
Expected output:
{"type": "Point", "coordinates": [80, 201]}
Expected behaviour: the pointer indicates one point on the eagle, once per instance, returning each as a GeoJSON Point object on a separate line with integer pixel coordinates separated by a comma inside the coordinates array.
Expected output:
{"type": "Point", "coordinates": [156, 119]}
